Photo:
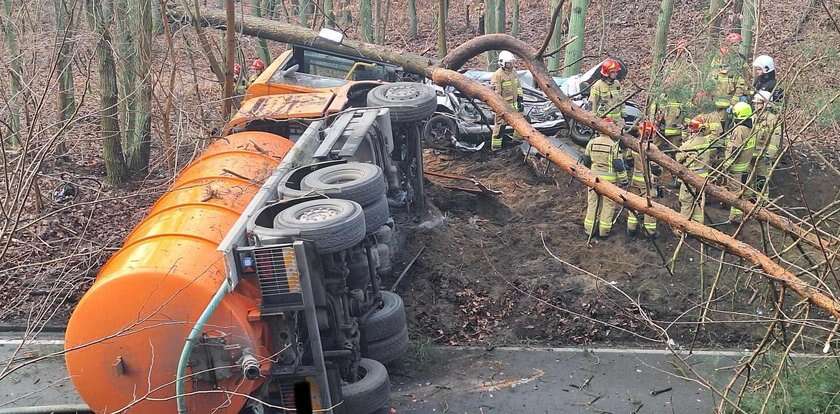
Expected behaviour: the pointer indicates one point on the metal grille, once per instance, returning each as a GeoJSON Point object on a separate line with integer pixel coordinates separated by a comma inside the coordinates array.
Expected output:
{"type": "Point", "coordinates": [279, 278]}
{"type": "Point", "coordinates": [286, 392]}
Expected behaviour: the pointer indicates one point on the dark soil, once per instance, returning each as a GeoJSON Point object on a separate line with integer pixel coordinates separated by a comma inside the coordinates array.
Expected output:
{"type": "Point", "coordinates": [486, 276]}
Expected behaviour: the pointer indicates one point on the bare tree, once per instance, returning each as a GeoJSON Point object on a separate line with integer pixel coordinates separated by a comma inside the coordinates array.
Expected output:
{"type": "Point", "coordinates": [412, 18]}
{"type": "Point", "coordinates": [441, 28]}
{"type": "Point", "coordinates": [366, 20]}
{"type": "Point", "coordinates": [749, 13]}
{"type": "Point", "coordinates": [514, 25]}
{"type": "Point", "coordinates": [574, 51]}
{"type": "Point", "coordinates": [115, 167]}
{"type": "Point", "coordinates": [65, 25]}
{"type": "Point", "coordinates": [17, 98]}
{"type": "Point", "coordinates": [258, 11]}
{"type": "Point", "coordinates": [660, 43]}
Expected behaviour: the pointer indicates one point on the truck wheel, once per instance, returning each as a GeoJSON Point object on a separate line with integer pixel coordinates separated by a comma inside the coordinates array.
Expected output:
{"type": "Point", "coordinates": [408, 102]}
{"type": "Point", "coordinates": [376, 215]}
{"type": "Point", "coordinates": [331, 224]}
{"type": "Point", "coordinates": [580, 134]}
{"type": "Point", "coordinates": [388, 321]}
{"type": "Point", "coordinates": [369, 394]}
{"type": "Point", "coordinates": [356, 181]}
{"type": "Point", "coordinates": [389, 349]}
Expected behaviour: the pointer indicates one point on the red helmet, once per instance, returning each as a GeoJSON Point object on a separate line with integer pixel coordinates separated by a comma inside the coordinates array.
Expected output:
{"type": "Point", "coordinates": [733, 38]}
{"type": "Point", "coordinates": [647, 128]}
{"type": "Point", "coordinates": [237, 69]}
{"type": "Point", "coordinates": [610, 66]}
{"type": "Point", "coordinates": [258, 65]}
{"type": "Point", "coordinates": [696, 124]}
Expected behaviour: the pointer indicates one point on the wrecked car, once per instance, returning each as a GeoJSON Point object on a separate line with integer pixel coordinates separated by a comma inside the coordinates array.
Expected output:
{"type": "Point", "coordinates": [466, 123]}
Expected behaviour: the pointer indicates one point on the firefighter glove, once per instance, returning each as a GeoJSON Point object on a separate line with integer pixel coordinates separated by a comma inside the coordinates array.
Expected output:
{"type": "Point", "coordinates": [519, 103]}
{"type": "Point", "coordinates": [618, 165]}
{"type": "Point", "coordinates": [585, 160]}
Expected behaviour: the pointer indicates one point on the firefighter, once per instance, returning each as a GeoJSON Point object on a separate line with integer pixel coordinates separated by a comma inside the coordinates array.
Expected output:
{"type": "Point", "coordinates": [605, 95]}
{"type": "Point", "coordinates": [256, 69]}
{"type": "Point", "coordinates": [638, 184]}
{"type": "Point", "coordinates": [730, 85]}
{"type": "Point", "coordinates": [716, 117]}
{"type": "Point", "coordinates": [768, 136]}
{"type": "Point", "coordinates": [505, 83]}
{"type": "Point", "coordinates": [603, 157]}
{"type": "Point", "coordinates": [764, 74]}
{"type": "Point", "coordinates": [695, 154]}
{"type": "Point", "coordinates": [739, 154]}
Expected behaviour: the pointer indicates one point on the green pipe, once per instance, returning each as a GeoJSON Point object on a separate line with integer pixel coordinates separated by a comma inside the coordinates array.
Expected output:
{"type": "Point", "coordinates": [191, 338]}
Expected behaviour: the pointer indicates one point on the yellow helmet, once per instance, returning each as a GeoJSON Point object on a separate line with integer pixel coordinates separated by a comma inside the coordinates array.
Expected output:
{"type": "Point", "coordinates": [742, 110]}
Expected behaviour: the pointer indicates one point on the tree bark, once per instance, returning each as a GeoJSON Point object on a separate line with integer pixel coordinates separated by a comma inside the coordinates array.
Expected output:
{"type": "Point", "coordinates": [305, 12]}
{"type": "Point", "coordinates": [412, 19]}
{"type": "Point", "coordinates": [126, 71]}
{"type": "Point", "coordinates": [748, 11]}
{"type": "Point", "coordinates": [230, 50]}
{"type": "Point", "coordinates": [514, 25]}
{"type": "Point", "coordinates": [257, 11]}
{"type": "Point", "coordinates": [366, 20]}
{"type": "Point", "coordinates": [329, 16]}
{"type": "Point", "coordinates": [490, 27]}
{"type": "Point", "coordinates": [425, 66]}
{"type": "Point", "coordinates": [714, 29]}
{"type": "Point", "coordinates": [65, 24]}
{"type": "Point", "coordinates": [116, 172]}
{"type": "Point", "coordinates": [577, 28]}
{"type": "Point", "coordinates": [15, 72]}
{"type": "Point", "coordinates": [660, 44]}
{"type": "Point", "coordinates": [556, 35]}
{"type": "Point", "coordinates": [139, 145]}
{"type": "Point", "coordinates": [441, 29]}
{"type": "Point", "coordinates": [500, 21]}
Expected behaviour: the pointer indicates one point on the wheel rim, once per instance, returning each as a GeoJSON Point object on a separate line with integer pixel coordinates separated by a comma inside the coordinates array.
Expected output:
{"type": "Point", "coordinates": [317, 214]}
{"type": "Point", "coordinates": [441, 131]}
{"type": "Point", "coordinates": [402, 93]}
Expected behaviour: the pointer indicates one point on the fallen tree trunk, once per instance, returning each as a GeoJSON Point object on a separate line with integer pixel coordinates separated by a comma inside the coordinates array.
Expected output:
{"type": "Point", "coordinates": [273, 30]}
{"type": "Point", "coordinates": [447, 77]}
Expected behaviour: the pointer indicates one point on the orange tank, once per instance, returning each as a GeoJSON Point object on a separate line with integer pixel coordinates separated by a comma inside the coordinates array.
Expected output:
{"type": "Point", "coordinates": [126, 334]}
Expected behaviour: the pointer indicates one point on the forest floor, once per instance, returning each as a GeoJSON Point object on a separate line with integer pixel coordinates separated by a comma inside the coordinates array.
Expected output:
{"type": "Point", "coordinates": [487, 276]}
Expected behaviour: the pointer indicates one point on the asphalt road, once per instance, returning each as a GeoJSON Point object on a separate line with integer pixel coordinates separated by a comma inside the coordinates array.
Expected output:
{"type": "Point", "coordinates": [468, 380]}
{"type": "Point", "coordinates": [556, 381]}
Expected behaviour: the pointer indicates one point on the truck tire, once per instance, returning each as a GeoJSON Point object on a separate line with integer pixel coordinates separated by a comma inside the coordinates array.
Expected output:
{"type": "Point", "coordinates": [389, 349]}
{"type": "Point", "coordinates": [388, 321]}
{"type": "Point", "coordinates": [356, 181]}
{"type": "Point", "coordinates": [376, 215]}
{"type": "Point", "coordinates": [408, 102]}
{"type": "Point", "coordinates": [331, 224]}
{"type": "Point", "coordinates": [288, 193]}
{"type": "Point", "coordinates": [369, 394]}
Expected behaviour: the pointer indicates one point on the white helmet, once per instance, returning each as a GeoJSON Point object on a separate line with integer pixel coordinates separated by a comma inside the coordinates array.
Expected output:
{"type": "Point", "coordinates": [765, 63]}
{"type": "Point", "coordinates": [762, 97]}
{"type": "Point", "coordinates": [506, 57]}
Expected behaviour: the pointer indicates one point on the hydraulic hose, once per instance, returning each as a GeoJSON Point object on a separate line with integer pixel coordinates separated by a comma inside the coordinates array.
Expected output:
{"type": "Point", "coordinates": [191, 339]}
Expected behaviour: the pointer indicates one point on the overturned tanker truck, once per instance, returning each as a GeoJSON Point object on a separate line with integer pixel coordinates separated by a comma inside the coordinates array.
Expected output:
{"type": "Point", "coordinates": [254, 283]}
